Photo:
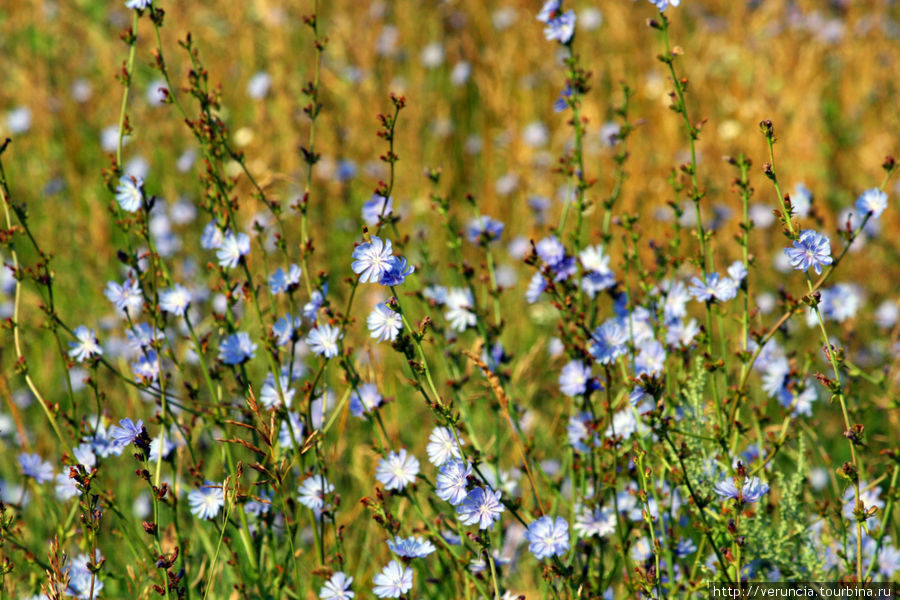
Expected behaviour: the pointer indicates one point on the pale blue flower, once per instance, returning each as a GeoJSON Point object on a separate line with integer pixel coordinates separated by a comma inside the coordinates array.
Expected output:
{"type": "Point", "coordinates": [81, 580]}
{"type": "Point", "coordinates": [102, 444]}
{"type": "Point", "coordinates": [551, 251]}
{"type": "Point", "coordinates": [480, 565]}
{"type": "Point", "coordinates": [166, 443]}
{"type": "Point", "coordinates": [481, 506]}
{"type": "Point", "coordinates": [713, 287]}
{"type": "Point", "coordinates": [548, 537]}
{"type": "Point", "coordinates": [664, 4]}
{"type": "Point", "coordinates": [562, 28]}
{"type": "Point", "coordinates": [259, 507]}
{"type": "Point", "coordinates": [237, 348]}
{"type": "Point", "coordinates": [677, 298]}
{"type": "Point", "coordinates": [549, 11]}
{"type": "Point", "coordinates": [393, 581]}
{"type": "Point", "coordinates": [126, 297]}
{"type": "Point", "coordinates": [376, 208]}
{"type": "Point", "coordinates": [146, 367]}
{"type": "Point", "coordinates": [205, 502]}
{"type": "Point", "coordinates": [142, 336]}
{"type": "Point", "coordinates": [313, 491]}
{"type": "Point", "coordinates": [484, 228]}
{"type": "Point", "coordinates": [346, 170]}
{"type": "Point", "coordinates": [373, 259]}
{"type": "Point", "coordinates": [259, 84]}
{"type": "Point", "coordinates": [459, 303]}
{"type": "Point", "coordinates": [869, 495]}
{"type": "Point", "coordinates": [442, 446]}
{"type": "Point", "coordinates": [397, 273]}
{"type": "Point", "coordinates": [737, 271]}
{"type": "Point", "coordinates": [801, 202]}
{"type": "Point", "coordinates": [436, 294]}
{"type": "Point", "coordinates": [751, 490]}
{"type": "Point", "coordinates": [685, 547]}
{"type": "Point", "coordinates": [623, 425]}
{"type": "Point", "coordinates": [412, 547]}
{"type": "Point", "coordinates": [126, 432]}
{"type": "Point", "coordinates": [384, 324]}
{"type": "Point", "coordinates": [641, 551]}
{"type": "Point", "coordinates": [18, 120]}
{"type": "Point", "coordinates": [212, 237]}
{"type": "Point", "coordinates": [323, 340]}
{"type": "Point", "coordinates": [32, 466]}
{"type": "Point", "coordinates": [364, 399]}
{"type": "Point", "coordinates": [575, 378]}
{"type": "Point", "coordinates": [129, 193]}
{"type": "Point", "coordinates": [269, 393]}
{"type": "Point", "coordinates": [281, 281]}
{"type": "Point", "coordinates": [292, 425]}
{"type": "Point", "coordinates": [841, 301]}
{"type": "Point", "coordinates": [593, 282]}
{"type": "Point", "coordinates": [651, 360]}
{"type": "Point", "coordinates": [536, 287]}
{"type": "Point", "coordinates": [233, 249]}
{"type": "Point", "coordinates": [66, 488]}
{"type": "Point", "coordinates": [452, 480]}
{"type": "Point", "coordinates": [810, 250]}
{"type": "Point", "coordinates": [562, 103]}
{"type": "Point", "coordinates": [579, 433]}
{"type": "Point", "coordinates": [85, 346]}
{"type": "Point", "coordinates": [888, 561]}
{"type": "Point", "coordinates": [397, 470]}
{"type": "Point", "coordinates": [284, 328]}
{"type": "Point", "coordinates": [316, 300]}
{"type": "Point", "coordinates": [608, 342]}
{"type": "Point", "coordinates": [872, 201]}
{"type": "Point", "coordinates": [600, 522]}
{"type": "Point", "coordinates": [681, 333]}
{"type": "Point", "coordinates": [337, 587]}
{"type": "Point", "coordinates": [175, 300]}
{"type": "Point", "coordinates": [83, 455]}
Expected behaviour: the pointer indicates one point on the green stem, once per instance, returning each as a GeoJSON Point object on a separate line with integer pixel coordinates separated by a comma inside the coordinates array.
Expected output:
{"type": "Point", "coordinates": [17, 341]}
{"type": "Point", "coordinates": [415, 338]}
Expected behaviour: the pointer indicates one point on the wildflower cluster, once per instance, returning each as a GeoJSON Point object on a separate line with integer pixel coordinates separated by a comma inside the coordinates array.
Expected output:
{"type": "Point", "coordinates": [297, 389]}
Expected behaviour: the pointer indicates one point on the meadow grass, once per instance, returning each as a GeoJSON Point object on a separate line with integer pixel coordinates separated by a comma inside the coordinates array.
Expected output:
{"type": "Point", "coordinates": [600, 320]}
